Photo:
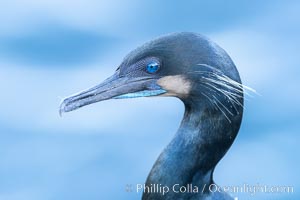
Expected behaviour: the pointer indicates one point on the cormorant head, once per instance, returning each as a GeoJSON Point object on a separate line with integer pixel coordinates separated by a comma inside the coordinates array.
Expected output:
{"type": "Point", "coordinates": [186, 65]}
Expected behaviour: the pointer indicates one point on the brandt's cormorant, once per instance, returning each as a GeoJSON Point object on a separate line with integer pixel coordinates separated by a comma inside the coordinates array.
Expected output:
{"type": "Point", "coordinates": [194, 69]}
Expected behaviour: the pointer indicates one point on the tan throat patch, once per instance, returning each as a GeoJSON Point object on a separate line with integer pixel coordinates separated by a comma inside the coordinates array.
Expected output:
{"type": "Point", "coordinates": [177, 85]}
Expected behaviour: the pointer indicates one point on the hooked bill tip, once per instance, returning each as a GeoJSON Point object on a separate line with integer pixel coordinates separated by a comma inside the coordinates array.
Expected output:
{"type": "Point", "coordinates": [61, 111]}
{"type": "Point", "coordinates": [69, 104]}
{"type": "Point", "coordinates": [62, 107]}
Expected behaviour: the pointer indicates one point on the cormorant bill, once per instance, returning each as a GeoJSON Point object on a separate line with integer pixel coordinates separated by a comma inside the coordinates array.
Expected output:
{"type": "Point", "coordinates": [202, 75]}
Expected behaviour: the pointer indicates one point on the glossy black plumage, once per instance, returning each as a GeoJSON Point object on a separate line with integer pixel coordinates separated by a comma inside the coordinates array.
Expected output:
{"type": "Point", "coordinates": [202, 75]}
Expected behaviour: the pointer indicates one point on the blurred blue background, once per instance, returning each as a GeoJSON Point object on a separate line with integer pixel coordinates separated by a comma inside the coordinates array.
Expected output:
{"type": "Point", "coordinates": [50, 49]}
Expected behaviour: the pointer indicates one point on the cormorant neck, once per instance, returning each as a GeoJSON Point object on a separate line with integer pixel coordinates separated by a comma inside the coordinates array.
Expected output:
{"type": "Point", "coordinates": [202, 140]}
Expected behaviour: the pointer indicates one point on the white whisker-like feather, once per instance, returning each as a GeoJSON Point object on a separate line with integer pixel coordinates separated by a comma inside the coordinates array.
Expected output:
{"type": "Point", "coordinates": [223, 105]}
{"type": "Point", "coordinates": [218, 85]}
{"type": "Point", "coordinates": [222, 111]}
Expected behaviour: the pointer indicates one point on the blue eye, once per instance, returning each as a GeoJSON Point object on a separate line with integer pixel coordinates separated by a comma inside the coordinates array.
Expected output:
{"type": "Point", "coordinates": [152, 67]}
